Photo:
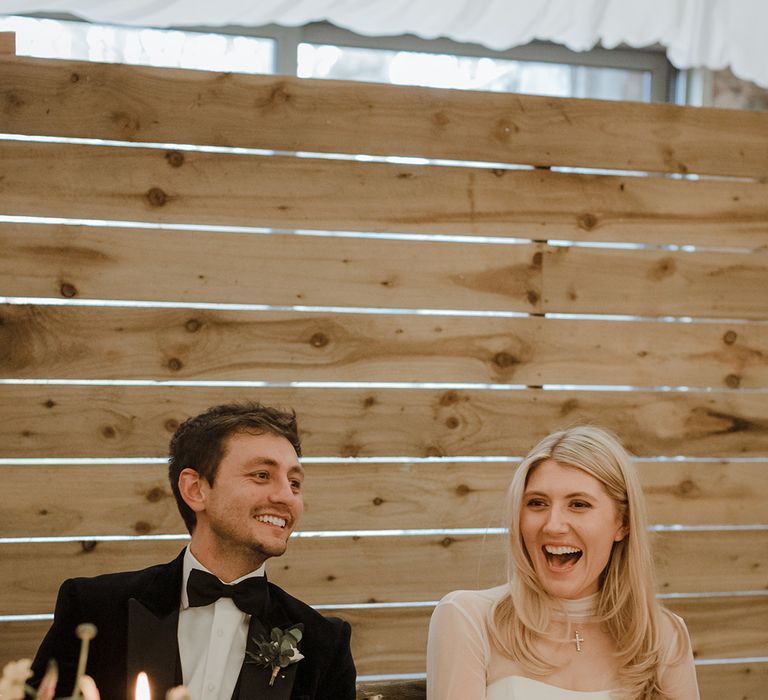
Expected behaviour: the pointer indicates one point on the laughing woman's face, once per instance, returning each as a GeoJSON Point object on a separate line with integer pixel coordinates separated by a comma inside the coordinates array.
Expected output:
{"type": "Point", "coordinates": [569, 524]}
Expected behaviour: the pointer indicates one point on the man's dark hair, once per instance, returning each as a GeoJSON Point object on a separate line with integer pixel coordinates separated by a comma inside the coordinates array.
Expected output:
{"type": "Point", "coordinates": [198, 443]}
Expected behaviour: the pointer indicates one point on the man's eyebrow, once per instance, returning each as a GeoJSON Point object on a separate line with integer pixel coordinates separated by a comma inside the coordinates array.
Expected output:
{"type": "Point", "coordinates": [261, 462]}
{"type": "Point", "coordinates": [297, 469]}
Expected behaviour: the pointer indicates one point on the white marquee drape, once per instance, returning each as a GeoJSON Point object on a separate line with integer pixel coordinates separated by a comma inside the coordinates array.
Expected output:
{"type": "Point", "coordinates": [696, 33]}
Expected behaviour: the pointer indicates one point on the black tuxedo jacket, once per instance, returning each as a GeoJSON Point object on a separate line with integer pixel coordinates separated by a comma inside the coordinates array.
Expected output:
{"type": "Point", "coordinates": [137, 614]}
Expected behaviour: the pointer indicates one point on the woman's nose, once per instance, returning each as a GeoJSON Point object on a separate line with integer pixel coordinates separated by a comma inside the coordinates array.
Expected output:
{"type": "Point", "coordinates": [556, 521]}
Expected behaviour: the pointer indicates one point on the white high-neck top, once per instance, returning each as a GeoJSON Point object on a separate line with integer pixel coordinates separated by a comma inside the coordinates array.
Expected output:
{"type": "Point", "coordinates": [462, 664]}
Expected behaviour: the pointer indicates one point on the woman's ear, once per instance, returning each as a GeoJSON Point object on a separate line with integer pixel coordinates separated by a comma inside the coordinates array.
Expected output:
{"type": "Point", "coordinates": [192, 487]}
{"type": "Point", "coordinates": [621, 533]}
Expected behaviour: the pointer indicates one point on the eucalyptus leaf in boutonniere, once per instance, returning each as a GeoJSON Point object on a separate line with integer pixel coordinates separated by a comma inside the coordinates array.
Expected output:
{"type": "Point", "coordinates": [279, 651]}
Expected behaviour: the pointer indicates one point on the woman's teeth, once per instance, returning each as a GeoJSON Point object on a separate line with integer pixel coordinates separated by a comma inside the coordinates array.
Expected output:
{"type": "Point", "coordinates": [562, 555]}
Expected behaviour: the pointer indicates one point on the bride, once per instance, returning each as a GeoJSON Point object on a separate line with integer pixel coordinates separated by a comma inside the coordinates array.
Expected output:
{"type": "Point", "coordinates": [578, 619]}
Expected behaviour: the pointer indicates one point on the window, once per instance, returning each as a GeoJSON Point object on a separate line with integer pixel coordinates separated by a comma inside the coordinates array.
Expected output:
{"type": "Point", "coordinates": [323, 51]}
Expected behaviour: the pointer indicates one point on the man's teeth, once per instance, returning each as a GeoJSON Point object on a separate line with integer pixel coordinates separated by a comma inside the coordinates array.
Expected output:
{"type": "Point", "coordinates": [272, 520]}
{"type": "Point", "coordinates": [550, 549]}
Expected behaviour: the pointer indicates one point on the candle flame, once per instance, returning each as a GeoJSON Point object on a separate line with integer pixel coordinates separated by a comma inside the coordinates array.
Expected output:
{"type": "Point", "coordinates": [142, 687]}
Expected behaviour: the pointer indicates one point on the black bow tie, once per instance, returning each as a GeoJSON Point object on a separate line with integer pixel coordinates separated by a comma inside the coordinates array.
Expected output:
{"type": "Point", "coordinates": [250, 595]}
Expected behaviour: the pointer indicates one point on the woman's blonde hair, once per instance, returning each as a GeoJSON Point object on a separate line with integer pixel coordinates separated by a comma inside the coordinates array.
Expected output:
{"type": "Point", "coordinates": [626, 603]}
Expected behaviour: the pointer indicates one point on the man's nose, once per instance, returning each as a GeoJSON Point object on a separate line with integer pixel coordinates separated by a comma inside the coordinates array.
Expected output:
{"type": "Point", "coordinates": [282, 491]}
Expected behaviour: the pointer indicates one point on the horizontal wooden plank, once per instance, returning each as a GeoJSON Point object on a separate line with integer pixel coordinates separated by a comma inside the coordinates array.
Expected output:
{"type": "Point", "coordinates": [656, 283]}
{"type": "Point", "coordinates": [135, 499]}
{"type": "Point", "coordinates": [171, 344]}
{"type": "Point", "coordinates": [154, 185]}
{"type": "Point", "coordinates": [394, 640]}
{"type": "Point", "coordinates": [127, 421]}
{"type": "Point", "coordinates": [143, 104]}
{"type": "Point", "coordinates": [389, 639]}
{"type": "Point", "coordinates": [151, 265]}
{"type": "Point", "coordinates": [383, 642]}
{"type": "Point", "coordinates": [745, 681]}
{"type": "Point", "coordinates": [375, 569]}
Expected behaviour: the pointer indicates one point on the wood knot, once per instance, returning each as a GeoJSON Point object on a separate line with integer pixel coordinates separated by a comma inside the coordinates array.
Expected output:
{"type": "Point", "coordinates": [452, 422]}
{"type": "Point", "coordinates": [155, 494]}
{"type": "Point", "coordinates": [504, 360]}
{"type": "Point", "coordinates": [175, 158]}
{"type": "Point", "coordinates": [156, 197]}
{"type": "Point", "coordinates": [404, 176]}
{"type": "Point", "coordinates": [142, 527]}
{"type": "Point", "coordinates": [175, 364]}
{"type": "Point", "coordinates": [68, 290]}
{"type": "Point", "coordinates": [193, 325]}
{"type": "Point", "coordinates": [330, 577]}
{"type": "Point", "coordinates": [350, 450]}
{"type": "Point", "coordinates": [532, 296]}
{"type": "Point", "coordinates": [733, 381]}
{"type": "Point", "coordinates": [664, 268]}
{"type": "Point", "coordinates": [369, 401]}
{"type": "Point", "coordinates": [433, 451]}
{"type": "Point", "coordinates": [568, 406]}
{"type": "Point", "coordinates": [499, 172]}
{"type": "Point", "coordinates": [462, 490]}
{"type": "Point", "coordinates": [50, 403]}
{"type": "Point", "coordinates": [686, 488]}
{"type": "Point", "coordinates": [449, 398]}
{"type": "Point", "coordinates": [537, 259]}
{"type": "Point", "coordinates": [729, 337]}
{"type": "Point", "coordinates": [108, 432]}
{"type": "Point", "coordinates": [88, 545]}
{"type": "Point", "coordinates": [378, 501]}
{"type": "Point", "coordinates": [440, 120]}
{"type": "Point", "coordinates": [587, 222]}
{"type": "Point", "coordinates": [319, 340]}
{"type": "Point", "coordinates": [447, 541]}
{"type": "Point", "coordinates": [171, 425]}
{"type": "Point", "coordinates": [74, 78]}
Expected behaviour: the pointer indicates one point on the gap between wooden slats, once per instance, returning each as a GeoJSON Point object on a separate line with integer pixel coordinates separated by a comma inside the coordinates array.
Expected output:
{"type": "Point", "coordinates": [92, 421]}
{"type": "Point", "coordinates": [135, 499]}
{"type": "Point", "coordinates": [49, 342]}
{"type": "Point", "coordinates": [386, 569]}
{"type": "Point", "coordinates": [141, 184]}
{"type": "Point", "coordinates": [72, 98]}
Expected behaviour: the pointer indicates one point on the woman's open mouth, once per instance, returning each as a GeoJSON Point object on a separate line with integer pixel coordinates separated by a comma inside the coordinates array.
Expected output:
{"type": "Point", "coordinates": [561, 557]}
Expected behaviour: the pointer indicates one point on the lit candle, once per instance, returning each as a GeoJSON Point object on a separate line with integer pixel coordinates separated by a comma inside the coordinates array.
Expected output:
{"type": "Point", "coordinates": [142, 687]}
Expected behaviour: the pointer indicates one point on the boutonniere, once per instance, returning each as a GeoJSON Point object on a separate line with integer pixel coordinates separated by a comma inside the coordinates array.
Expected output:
{"type": "Point", "coordinates": [279, 651]}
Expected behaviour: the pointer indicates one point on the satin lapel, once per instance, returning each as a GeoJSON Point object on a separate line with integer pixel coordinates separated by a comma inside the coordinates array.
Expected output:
{"type": "Point", "coordinates": [254, 681]}
{"type": "Point", "coordinates": [153, 619]}
{"type": "Point", "coordinates": [152, 647]}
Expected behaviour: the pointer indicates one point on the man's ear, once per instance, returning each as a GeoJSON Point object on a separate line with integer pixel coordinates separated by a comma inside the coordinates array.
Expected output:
{"type": "Point", "coordinates": [193, 489]}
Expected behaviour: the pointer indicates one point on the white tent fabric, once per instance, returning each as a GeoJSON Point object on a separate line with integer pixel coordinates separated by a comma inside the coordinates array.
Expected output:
{"type": "Point", "coordinates": [710, 34]}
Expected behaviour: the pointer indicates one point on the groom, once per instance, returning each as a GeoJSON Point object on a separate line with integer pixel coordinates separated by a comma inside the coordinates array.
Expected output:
{"type": "Point", "coordinates": [235, 473]}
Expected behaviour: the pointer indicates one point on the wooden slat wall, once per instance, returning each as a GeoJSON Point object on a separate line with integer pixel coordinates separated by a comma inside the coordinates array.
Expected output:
{"type": "Point", "coordinates": [144, 104]}
{"type": "Point", "coordinates": [164, 237]}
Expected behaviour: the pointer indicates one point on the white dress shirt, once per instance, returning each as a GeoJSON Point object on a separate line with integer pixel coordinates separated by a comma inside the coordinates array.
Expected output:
{"type": "Point", "coordinates": [211, 640]}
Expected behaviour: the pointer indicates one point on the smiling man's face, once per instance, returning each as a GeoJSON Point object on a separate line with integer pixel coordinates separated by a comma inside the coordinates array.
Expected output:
{"type": "Point", "coordinates": [569, 524]}
{"type": "Point", "coordinates": [255, 501]}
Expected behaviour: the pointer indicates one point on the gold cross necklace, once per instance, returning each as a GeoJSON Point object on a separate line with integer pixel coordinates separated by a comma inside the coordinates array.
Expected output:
{"type": "Point", "coordinates": [578, 639]}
